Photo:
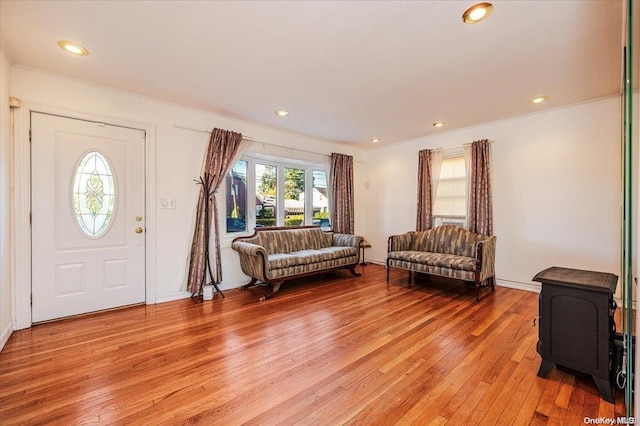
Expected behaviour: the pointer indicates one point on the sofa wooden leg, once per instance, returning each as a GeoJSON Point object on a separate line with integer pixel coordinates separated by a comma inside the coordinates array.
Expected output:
{"type": "Point", "coordinates": [250, 284]}
{"type": "Point", "coordinates": [493, 283]}
{"type": "Point", "coordinates": [477, 292]}
{"type": "Point", "coordinates": [410, 277]}
{"type": "Point", "coordinates": [276, 288]}
{"type": "Point", "coordinates": [352, 269]}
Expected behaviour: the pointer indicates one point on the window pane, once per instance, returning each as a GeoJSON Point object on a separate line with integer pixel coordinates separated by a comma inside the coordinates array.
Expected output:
{"type": "Point", "coordinates": [266, 195]}
{"type": "Point", "coordinates": [450, 195]}
{"type": "Point", "coordinates": [293, 196]}
{"type": "Point", "coordinates": [237, 197]}
{"type": "Point", "coordinates": [456, 167]}
{"type": "Point", "coordinates": [93, 196]}
{"type": "Point", "coordinates": [320, 199]}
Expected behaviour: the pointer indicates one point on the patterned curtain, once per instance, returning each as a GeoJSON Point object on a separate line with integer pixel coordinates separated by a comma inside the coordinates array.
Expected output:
{"type": "Point", "coordinates": [224, 148]}
{"type": "Point", "coordinates": [341, 181]}
{"type": "Point", "coordinates": [480, 215]}
{"type": "Point", "coordinates": [425, 191]}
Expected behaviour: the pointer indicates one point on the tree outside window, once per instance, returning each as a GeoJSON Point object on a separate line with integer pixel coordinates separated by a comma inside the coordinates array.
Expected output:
{"type": "Point", "coordinates": [294, 184]}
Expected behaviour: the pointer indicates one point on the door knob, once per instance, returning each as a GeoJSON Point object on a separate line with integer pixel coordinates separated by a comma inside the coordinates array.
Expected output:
{"type": "Point", "coordinates": [139, 230]}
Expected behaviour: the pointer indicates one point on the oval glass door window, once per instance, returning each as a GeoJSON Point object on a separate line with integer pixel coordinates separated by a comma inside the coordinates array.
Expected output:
{"type": "Point", "coordinates": [94, 194]}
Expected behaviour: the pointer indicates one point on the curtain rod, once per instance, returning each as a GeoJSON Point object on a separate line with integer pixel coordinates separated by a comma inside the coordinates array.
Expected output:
{"type": "Point", "coordinates": [455, 147]}
{"type": "Point", "coordinates": [249, 138]}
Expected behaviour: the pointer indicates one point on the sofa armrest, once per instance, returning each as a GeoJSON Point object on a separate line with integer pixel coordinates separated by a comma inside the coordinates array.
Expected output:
{"type": "Point", "coordinates": [486, 256]}
{"type": "Point", "coordinates": [346, 240]}
{"type": "Point", "coordinates": [399, 242]}
{"type": "Point", "coordinates": [248, 248]}
{"type": "Point", "coordinates": [253, 259]}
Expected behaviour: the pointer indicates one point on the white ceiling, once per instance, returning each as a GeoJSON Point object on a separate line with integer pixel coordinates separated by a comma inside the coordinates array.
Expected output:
{"type": "Point", "coordinates": [346, 70]}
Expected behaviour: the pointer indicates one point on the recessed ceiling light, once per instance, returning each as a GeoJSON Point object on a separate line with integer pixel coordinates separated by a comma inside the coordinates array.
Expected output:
{"type": "Point", "coordinates": [282, 113]}
{"type": "Point", "coordinates": [477, 12]}
{"type": "Point", "coordinates": [438, 124]}
{"type": "Point", "coordinates": [376, 140]}
{"type": "Point", "coordinates": [538, 99]}
{"type": "Point", "coordinates": [72, 47]}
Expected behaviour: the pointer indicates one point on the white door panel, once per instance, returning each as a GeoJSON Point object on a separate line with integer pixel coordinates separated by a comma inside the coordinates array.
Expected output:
{"type": "Point", "coordinates": [87, 201]}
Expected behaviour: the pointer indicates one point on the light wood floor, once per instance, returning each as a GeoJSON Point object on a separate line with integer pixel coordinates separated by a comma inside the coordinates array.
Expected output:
{"type": "Point", "coordinates": [325, 351]}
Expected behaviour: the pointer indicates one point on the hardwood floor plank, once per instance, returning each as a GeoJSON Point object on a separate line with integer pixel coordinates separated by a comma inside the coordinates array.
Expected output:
{"type": "Point", "coordinates": [591, 405]}
{"type": "Point", "coordinates": [573, 414]}
{"type": "Point", "coordinates": [550, 393]}
{"type": "Point", "coordinates": [462, 413]}
{"type": "Point", "coordinates": [520, 390]}
{"type": "Point", "coordinates": [564, 394]}
{"type": "Point", "coordinates": [539, 419]}
{"type": "Point", "coordinates": [606, 409]}
{"type": "Point", "coordinates": [326, 350]}
{"type": "Point", "coordinates": [527, 411]}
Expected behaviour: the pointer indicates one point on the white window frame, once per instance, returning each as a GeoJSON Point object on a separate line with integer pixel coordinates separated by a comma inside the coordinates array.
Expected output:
{"type": "Point", "coordinates": [252, 159]}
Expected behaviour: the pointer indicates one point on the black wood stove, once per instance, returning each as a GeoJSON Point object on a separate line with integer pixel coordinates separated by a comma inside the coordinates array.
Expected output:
{"type": "Point", "coordinates": [576, 323]}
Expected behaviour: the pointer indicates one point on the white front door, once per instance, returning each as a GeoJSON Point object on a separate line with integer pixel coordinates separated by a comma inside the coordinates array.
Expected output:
{"type": "Point", "coordinates": [87, 201]}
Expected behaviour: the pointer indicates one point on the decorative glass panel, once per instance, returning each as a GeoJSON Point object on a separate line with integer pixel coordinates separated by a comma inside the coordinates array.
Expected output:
{"type": "Point", "coordinates": [93, 194]}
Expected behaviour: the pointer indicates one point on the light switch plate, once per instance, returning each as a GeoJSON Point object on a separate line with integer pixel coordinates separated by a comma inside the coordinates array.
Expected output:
{"type": "Point", "coordinates": [167, 203]}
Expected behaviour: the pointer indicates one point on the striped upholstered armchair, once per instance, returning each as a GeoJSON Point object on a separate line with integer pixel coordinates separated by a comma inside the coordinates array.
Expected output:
{"type": "Point", "coordinates": [448, 251]}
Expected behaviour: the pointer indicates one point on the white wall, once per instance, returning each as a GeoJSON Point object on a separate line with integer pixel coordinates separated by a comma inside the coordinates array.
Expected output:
{"type": "Point", "coordinates": [178, 159]}
{"type": "Point", "coordinates": [557, 184]}
{"type": "Point", "coordinates": [556, 178]}
{"type": "Point", "coordinates": [6, 323]}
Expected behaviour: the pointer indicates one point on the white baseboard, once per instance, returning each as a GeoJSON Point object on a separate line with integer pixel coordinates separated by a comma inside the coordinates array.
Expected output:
{"type": "Point", "coordinates": [230, 285]}
{"type": "Point", "coordinates": [172, 296]}
{"type": "Point", "coordinates": [534, 288]}
{"type": "Point", "coordinates": [6, 333]}
{"type": "Point", "coordinates": [186, 294]}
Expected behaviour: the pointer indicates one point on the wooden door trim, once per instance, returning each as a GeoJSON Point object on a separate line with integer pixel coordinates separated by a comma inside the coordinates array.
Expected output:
{"type": "Point", "coordinates": [21, 260]}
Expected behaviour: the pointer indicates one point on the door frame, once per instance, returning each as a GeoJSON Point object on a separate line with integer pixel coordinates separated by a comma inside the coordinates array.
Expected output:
{"type": "Point", "coordinates": [21, 261]}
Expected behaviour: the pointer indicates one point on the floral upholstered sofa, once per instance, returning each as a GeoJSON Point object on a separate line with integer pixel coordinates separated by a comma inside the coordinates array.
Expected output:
{"type": "Point", "coordinates": [448, 251]}
{"type": "Point", "coordinates": [274, 255]}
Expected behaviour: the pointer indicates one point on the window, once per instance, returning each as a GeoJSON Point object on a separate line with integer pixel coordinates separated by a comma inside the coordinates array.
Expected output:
{"type": "Point", "coordinates": [266, 194]}
{"type": "Point", "coordinates": [283, 194]}
{"type": "Point", "coordinates": [294, 185]}
{"type": "Point", "coordinates": [450, 207]}
{"type": "Point", "coordinates": [320, 199]}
